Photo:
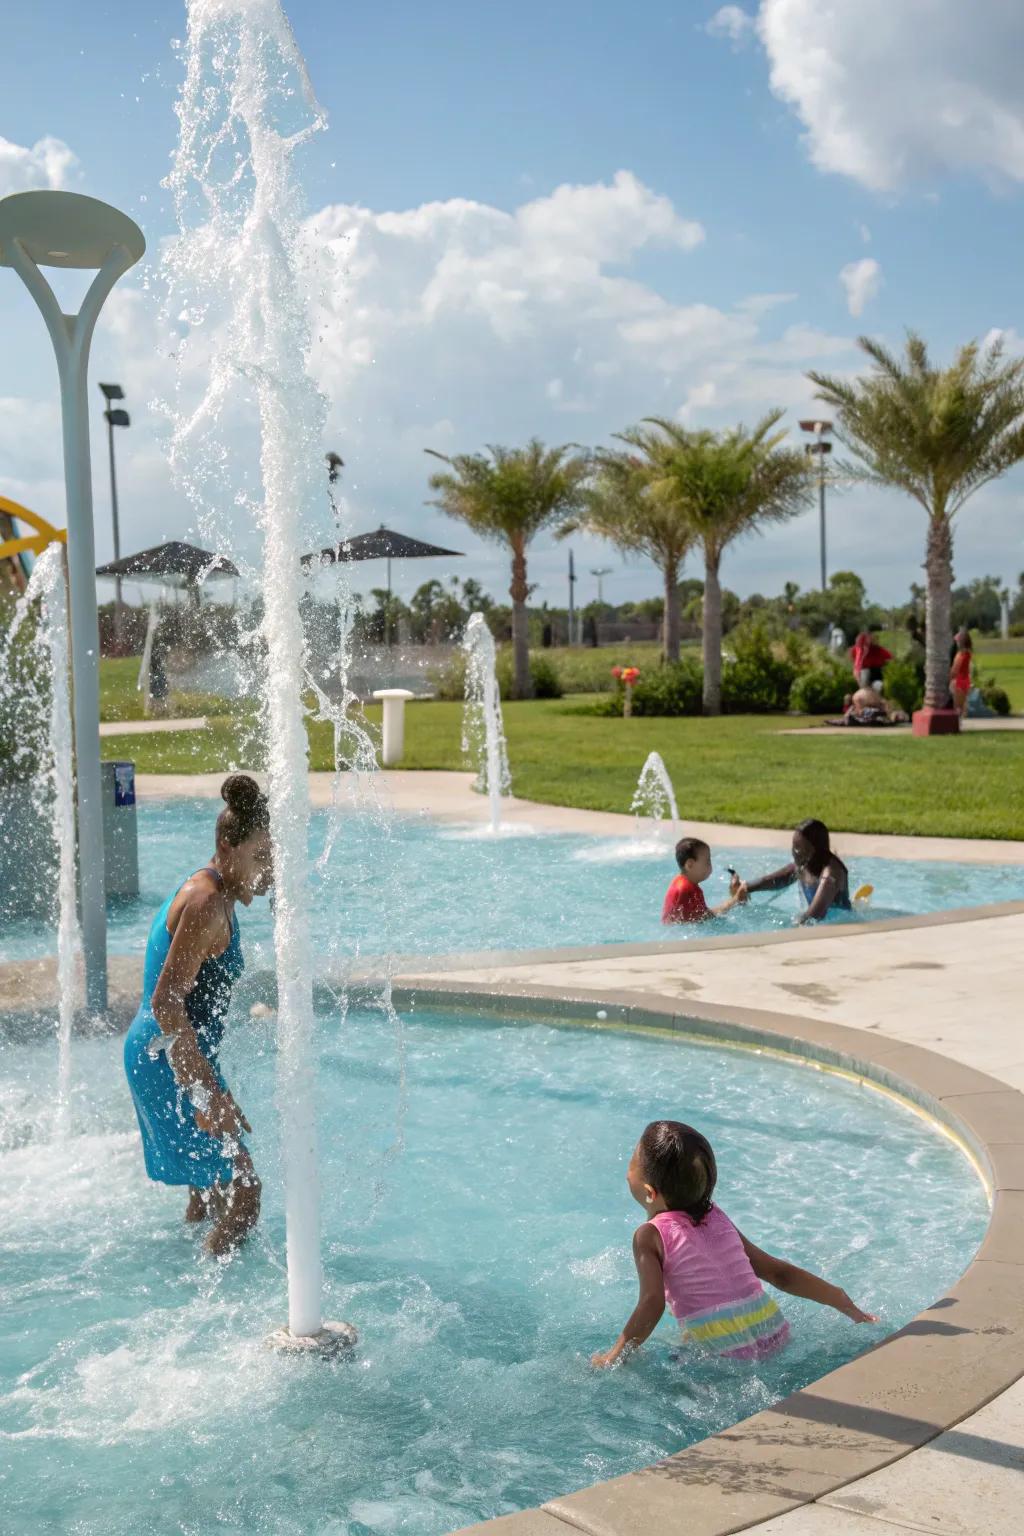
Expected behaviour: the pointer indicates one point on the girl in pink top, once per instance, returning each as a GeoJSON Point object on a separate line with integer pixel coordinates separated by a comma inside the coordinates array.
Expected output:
{"type": "Point", "coordinates": [690, 1256]}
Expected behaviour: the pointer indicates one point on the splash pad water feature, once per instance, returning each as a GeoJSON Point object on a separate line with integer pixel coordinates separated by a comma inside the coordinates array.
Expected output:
{"type": "Point", "coordinates": [245, 106]}
{"type": "Point", "coordinates": [483, 730]}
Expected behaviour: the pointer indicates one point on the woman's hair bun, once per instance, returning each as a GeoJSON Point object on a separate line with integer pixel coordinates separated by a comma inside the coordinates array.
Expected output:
{"type": "Point", "coordinates": [240, 792]}
{"type": "Point", "coordinates": [247, 809]}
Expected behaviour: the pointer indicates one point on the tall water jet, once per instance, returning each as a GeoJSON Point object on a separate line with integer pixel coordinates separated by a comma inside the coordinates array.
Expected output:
{"type": "Point", "coordinates": [655, 796]}
{"type": "Point", "coordinates": [483, 731]}
{"type": "Point", "coordinates": [245, 106]}
{"type": "Point", "coordinates": [46, 740]}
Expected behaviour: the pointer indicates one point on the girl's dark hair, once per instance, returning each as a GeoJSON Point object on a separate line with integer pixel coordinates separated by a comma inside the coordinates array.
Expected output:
{"type": "Point", "coordinates": [816, 833]}
{"type": "Point", "coordinates": [246, 810]}
{"type": "Point", "coordinates": [688, 848]}
{"type": "Point", "coordinates": [678, 1162]}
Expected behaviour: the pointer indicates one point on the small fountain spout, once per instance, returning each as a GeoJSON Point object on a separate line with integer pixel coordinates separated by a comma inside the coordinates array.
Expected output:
{"type": "Point", "coordinates": [655, 796]}
{"type": "Point", "coordinates": [483, 731]}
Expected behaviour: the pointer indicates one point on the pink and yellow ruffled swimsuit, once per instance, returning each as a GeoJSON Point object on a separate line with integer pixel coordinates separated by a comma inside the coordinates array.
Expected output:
{"type": "Point", "coordinates": [711, 1288]}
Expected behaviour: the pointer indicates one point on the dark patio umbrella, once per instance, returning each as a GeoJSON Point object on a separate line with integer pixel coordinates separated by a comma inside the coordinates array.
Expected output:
{"type": "Point", "coordinates": [171, 565]}
{"type": "Point", "coordinates": [382, 544]}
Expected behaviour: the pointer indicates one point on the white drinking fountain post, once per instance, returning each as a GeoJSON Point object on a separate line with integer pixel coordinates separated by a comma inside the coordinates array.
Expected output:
{"type": "Point", "coordinates": [64, 229]}
{"type": "Point", "coordinates": [393, 726]}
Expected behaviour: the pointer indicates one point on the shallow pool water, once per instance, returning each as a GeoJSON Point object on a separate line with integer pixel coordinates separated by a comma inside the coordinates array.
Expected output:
{"type": "Point", "coordinates": [477, 1231]}
{"type": "Point", "coordinates": [421, 888]}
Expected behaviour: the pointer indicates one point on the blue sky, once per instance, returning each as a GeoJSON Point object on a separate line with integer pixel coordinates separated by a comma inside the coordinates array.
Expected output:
{"type": "Point", "coordinates": [799, 146]}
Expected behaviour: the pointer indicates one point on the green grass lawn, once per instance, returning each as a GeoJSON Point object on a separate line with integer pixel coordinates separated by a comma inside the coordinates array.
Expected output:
{"type": "Point", "coordinates": [120, 698]}
{"type": "Point", "coordinates": [991, 659]}
{"type": "Point", "coordinates": [739, 768]}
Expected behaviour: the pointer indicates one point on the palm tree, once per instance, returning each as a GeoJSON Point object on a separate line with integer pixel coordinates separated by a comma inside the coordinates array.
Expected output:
{"type": "Point", "coordinates": [938, 434]}
{"type": "Point", "coordinates": [509, 495]}
{"type": "Point", "coordinates": [707, 488]}
{"type": "Point", "coordinates": [618, 507]}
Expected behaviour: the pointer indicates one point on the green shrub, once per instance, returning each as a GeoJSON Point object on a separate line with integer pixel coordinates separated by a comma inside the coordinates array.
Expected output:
{"type": "Point", "coordinates": [757, 680]}
{"type": "Point", "coordinates": [545, 679]}
{"type": "Point", "coordinates": [671, 689]}
{"type": "Point", "coordinates": [820, 690]}
{"type": "Point", "coordinates": [449, 681]}
{"type": "Point", "coordinates": [902, 684]}
{"type": "Point", "coordinates": [995, 697]}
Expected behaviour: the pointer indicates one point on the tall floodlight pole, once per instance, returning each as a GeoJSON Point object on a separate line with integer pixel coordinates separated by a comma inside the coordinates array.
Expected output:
{"type": "Point", "coordinates": [821, 448]}
{"type": "Point", "coordinates": [601, 573]}
{"type": "Point", "coordinates": [572, 600]}
{"type": "Point", "coordinates": [65, 229]}
{"type": "Point", "coordinates": [115, 417]}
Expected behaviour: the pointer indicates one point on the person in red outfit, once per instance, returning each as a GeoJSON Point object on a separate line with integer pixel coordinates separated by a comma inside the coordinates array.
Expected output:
{"type": "Point", "coordinates": [684, 899]}
{"type": "Point", "coordinates": [960, 672]}
{"type": "Point", "coordinates": [868, 660]}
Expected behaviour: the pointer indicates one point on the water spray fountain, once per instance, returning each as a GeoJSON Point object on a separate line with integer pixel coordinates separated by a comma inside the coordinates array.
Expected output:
{"type": "Point", "coordinates": [64, 229]}
{"type": "Point", "coordinates": [46, 736]}
{"type": "Point", "coordinates": [483, 732]}
{"type": "Point", "coordinates": [239, 220]}
{"type": "Point", "coordinates": [655, 797]}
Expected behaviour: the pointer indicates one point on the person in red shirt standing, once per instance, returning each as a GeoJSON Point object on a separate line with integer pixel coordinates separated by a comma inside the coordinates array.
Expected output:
{"type": "Point", "coordinates": [684, 899]}
{"type": "Point", "coordinates": [868, 660]}
{"type": "Point", "coordinates": [960, 671]}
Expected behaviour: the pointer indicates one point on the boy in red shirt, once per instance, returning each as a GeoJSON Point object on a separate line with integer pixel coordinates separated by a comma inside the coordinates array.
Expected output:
{"type": "Point", "coordinates": [684, 899]}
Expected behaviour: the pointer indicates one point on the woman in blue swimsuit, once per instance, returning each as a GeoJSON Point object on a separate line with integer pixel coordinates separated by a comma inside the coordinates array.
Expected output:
{"type": "Point", "coordinates": [823, 878]}
{"type": "Point", "coordinates": [192, 1129]}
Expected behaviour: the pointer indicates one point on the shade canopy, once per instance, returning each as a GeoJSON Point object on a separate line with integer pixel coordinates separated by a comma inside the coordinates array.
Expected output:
{"type": "Point", "coordinates": [382, 544]}
{"type": "Point", "coordinates": [171, 565]}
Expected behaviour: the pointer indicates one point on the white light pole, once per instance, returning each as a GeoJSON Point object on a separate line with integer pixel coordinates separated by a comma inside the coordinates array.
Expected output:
{"type": "Point", "coordinates": [601, 573]}
{"type": "Point", "coordinates": [115, 416]}
{"type": "Point", "coordinates": [64, 229]}
{"type": "Point", "coordinates": [821, 430]}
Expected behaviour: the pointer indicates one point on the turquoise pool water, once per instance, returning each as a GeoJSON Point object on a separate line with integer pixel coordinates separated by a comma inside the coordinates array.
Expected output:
{"type": "Point", "coordinates": [425, 888]}
{"type": "Point", "coordinates": [477, 1231]}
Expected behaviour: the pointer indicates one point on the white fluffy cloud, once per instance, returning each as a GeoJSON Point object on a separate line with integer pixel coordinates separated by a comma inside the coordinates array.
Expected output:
{"type": "Point", "coordinates": [455, 324]}
{"type": "Point", "coordinates": [862, 280]}
{"type": "Point", "coordinates": [892, 91]}
{"type": "Point", "coordinates": [733, 22]}
{"type": "Point", "coordinates": [47, 164]}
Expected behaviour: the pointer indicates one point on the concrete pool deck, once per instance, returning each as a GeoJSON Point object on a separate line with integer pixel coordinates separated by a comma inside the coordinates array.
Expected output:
{"type": "Point", "coordinates": [924, 1432]}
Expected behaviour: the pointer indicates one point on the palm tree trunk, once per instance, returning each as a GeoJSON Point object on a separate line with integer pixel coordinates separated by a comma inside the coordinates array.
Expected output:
{"type": "Point", "coordinates": [938, 610]}
{"type": "Point", "coordinates": [712, 637]}
{"type": "Point", "coordinates": [670, 620]}
{"type": "Point", "coordinates": [519, 592]}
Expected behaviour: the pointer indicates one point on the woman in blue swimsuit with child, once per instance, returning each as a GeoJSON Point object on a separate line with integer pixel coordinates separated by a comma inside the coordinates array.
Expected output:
{"type": "Point", "coordinates": [823, 878]}
{"type": "Point", "coordinates": [192, 1129]}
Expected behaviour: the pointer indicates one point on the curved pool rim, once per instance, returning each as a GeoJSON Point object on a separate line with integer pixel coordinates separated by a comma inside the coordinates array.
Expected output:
{"type": "Point", "coordinates": [953, 1358]}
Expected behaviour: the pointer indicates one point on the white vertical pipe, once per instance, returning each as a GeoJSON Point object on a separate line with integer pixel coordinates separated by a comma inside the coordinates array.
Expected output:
{"type": "Point", "coordinates": [71, 336]}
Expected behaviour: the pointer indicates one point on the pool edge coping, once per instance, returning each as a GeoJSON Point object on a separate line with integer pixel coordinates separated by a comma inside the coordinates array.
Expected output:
{"type": "Point", "coordinates": [853, 1421]}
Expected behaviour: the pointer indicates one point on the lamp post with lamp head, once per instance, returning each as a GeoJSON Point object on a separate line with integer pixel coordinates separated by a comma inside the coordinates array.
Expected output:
{"type": "Point", "coordinates": [65, 229]}
{"type": "Point", "coordinates": [820, 447]}
{"type": "Point", "coordinates": [115, 416]}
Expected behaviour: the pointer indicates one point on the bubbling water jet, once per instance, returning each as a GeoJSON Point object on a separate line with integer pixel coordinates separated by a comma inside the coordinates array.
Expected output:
{"type": "Point", "coordinates": [483, 731]}
{"type": "Point", "coordinates": [655, 796]}
{"type": "Point", "coordinates": [46, 734]}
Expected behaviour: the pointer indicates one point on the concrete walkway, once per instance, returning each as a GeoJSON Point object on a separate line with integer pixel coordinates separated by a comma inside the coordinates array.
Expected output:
{"type": "Point", "coordinates": [999, 723]}
{"type": "Point", "coordinates": [147, 727]}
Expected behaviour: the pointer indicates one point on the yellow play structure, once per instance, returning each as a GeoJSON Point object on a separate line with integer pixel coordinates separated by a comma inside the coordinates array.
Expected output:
{"type": "Point", "coordinates": [32, 543]}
